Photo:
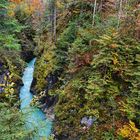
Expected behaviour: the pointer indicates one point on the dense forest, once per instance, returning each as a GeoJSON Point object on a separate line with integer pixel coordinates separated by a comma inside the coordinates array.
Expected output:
{"type": "Point", "coordinates": [76, 62]}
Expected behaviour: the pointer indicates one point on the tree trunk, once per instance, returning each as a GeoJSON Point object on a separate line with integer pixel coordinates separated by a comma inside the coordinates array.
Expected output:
{"type": "Point", "coordinates": [54, 24]}
{"type": "Point", "coordinates": [94, 12]}
{"type": "Point", "coordinates": [53, 19]}
{"type": "Point", "coordinates": [119, 12]}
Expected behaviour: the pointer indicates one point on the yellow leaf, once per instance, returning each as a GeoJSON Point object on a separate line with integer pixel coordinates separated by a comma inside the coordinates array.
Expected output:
{"type": "Point", "coordinates": [133, 127]}
{"type": "Point", "coordinates": [125, 131]}
{"type": "Point", "coordinates": [115, 61]}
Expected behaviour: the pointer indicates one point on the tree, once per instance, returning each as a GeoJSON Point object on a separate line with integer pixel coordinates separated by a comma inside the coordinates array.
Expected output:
{"type": "Point", "coordinates": [94, 12]}
{"type": "Point", "coordinates": [12, 124]}
{"type": "Point", "coordinates": [120, 12]}
{"type": "Point", "coordinates": [8, 28]}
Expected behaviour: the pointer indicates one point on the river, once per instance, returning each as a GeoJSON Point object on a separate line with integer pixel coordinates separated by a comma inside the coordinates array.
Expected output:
{"type": "Point", "coordinates": [35, 119]}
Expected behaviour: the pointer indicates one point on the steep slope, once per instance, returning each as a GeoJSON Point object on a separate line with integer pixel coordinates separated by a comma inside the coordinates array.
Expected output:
{"type": "Point", "coordinates": [93, 70]}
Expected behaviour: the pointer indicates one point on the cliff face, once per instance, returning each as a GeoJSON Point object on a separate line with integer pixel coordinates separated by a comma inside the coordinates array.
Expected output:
{"type": "Point", "coordinates": [16, 44]}
{"type": "Point", "coordinates": [12, 64]}
{"type": "Point", "coordinates": [11, 68]}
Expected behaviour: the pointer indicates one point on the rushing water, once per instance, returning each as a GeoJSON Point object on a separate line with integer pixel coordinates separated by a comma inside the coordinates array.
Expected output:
{"type": "Point", "coordinates": [35, 118]}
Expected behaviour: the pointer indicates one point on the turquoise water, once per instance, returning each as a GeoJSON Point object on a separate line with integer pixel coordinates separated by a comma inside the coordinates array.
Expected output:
{"type": "Point", "coordinates": [35, 118]}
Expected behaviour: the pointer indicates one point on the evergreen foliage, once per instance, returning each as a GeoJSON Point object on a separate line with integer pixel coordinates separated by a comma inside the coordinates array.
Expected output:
{"type": "Point", "coordinates": [98, 73]}
{"type": "Point", "coordinates": [93, 49]}
{"type": "Point", "coordinates": [12, 123]}
{"type": "Point", "coordinates": [9, 27]}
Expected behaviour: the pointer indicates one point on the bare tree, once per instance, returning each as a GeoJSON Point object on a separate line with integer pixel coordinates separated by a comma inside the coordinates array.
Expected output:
{"type": "Point", "coordinates": [52, 19]}
{"type": "Point", "coordinates": [94, 12]}
{"type": "Point", "coordinates": [54, 22]}
{"type": "Point", "coordinates": [120, 12]}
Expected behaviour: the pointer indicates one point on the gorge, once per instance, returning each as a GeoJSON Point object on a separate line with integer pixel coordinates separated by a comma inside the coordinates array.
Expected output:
{"type": "Point", "coordinates": [35, 119]}
{"type": "Point", "coordinates": [69, 70]}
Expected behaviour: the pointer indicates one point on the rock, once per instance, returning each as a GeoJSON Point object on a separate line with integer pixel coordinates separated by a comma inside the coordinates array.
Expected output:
{"type": "Point", "coordinates": [51, 79]}
{"type": "Point", "coordinates": [84, 120]}
{"type": "Point", "coordinates": [27, 55]}
{"type": "Point", "coordinates": [88, 121]}
{"type": "Point", "coordinates": [28, 46]}
{"type": "Point", "coordinates": [50, 113]}
{"type": "Point", "coordinates": [3, 78]}
{"type": "Point", "coordinates": [1, 89]}
{"type": "Point", "coordinates": [47, 100]}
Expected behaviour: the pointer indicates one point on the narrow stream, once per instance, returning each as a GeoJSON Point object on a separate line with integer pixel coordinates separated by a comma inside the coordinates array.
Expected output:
{"type": "Point", "coordinates": [35, 118]}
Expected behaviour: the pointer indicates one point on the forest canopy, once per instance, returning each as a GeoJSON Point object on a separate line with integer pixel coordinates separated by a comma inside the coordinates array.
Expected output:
{"type": "Point", "coordinates": [87, 66]}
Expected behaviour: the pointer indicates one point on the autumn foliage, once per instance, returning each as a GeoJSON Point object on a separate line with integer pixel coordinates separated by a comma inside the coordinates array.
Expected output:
{"type": "Point", "coordinates": [34, 9]}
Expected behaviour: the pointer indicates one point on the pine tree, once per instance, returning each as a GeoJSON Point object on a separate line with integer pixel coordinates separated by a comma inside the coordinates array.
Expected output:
{"type": "Point", "coordinates": [8, 28]}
